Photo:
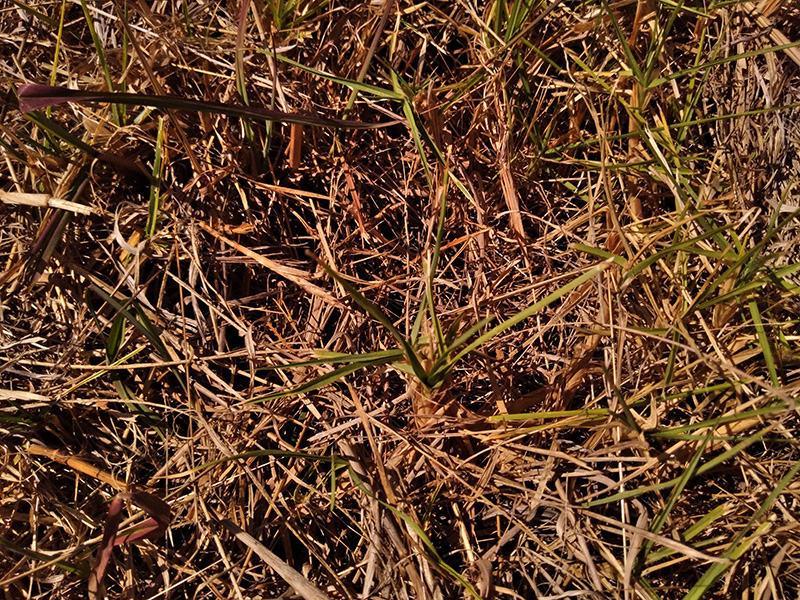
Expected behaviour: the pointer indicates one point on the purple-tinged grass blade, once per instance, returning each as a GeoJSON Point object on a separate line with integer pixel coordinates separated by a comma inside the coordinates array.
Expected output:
{"type": "Point", "coordinates": [155, 526]}
{"type": "Point", "coordinates": [33, 96]}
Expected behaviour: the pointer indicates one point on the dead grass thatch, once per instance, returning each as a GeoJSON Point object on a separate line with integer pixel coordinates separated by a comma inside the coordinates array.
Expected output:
{"type": "Point", "coordinates": [548, 349]}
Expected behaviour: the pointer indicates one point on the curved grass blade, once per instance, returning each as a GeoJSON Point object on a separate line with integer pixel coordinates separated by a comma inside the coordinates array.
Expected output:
{"type": "Point", "coordinates": [323, 380]}
{"type": "Point", "coordinates": [33, 96]}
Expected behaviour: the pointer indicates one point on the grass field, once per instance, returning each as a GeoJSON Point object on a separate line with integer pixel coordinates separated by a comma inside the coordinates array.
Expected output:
{"type": "Point", "coordinates": [348, 300]}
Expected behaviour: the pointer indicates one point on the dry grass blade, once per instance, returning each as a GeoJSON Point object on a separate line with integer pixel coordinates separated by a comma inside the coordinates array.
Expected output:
{"type": "Point", "coordinates": [44, 201]}
{"type": "Point", "coordinates": [301, 585]}
{"type": "Point", "coordinates": [291, 274]}
{"type": "Point", "coordinates": [78, 465]}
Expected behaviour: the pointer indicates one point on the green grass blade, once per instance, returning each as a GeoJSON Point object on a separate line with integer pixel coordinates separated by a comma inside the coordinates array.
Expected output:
{"type": "Point", "coordinates": [377, 314]}
{"type": "Point", "coordinates": [80, 569]}
{"type": "Point", "coordinates": [676, 432]}
{"type": "Point", "coordinates": [764, 343]}
{"type": "Point", "coordinates": [702, 525]}
{"type": "Point", "coordinates": [599, 253]}
{"type": "Point", "coordinates": [641, 266]}
{"type": "Point", "coordinates": [321, 381]}
{"type": "Point", "coordinates": [680, 484]}
{"type": "Point", "coordinates": [155, 183]}
{"type": "Point", "coordinates": [717, 460]}
{"type": "Point", "coordinates": [462, 339]}
{"type": "Point", "coordinates": [522, 315]}
{"type": "Point", "coordinates": [366, 88]}
{"type": "Point", "coordinates": [623, 41]}
{"type": "Point", "coordinates": [721, 61]}
{"type": "Point", "coordinates": [429, 287]}
{"type": "Point", "coordinates": [740, 544]}
{"type": "Point", "coordinates": [145, 327]}
{"type": "Point", "coordinates": [59, 37]}
{"type": "Point", "coordinates": [101, 57]}
{"type": "Point", "coordinates": [116, 337]}
{"type": "Point", "coordinates": [433, 553]}
{"type": "Point", "coordinates": [328, 358]}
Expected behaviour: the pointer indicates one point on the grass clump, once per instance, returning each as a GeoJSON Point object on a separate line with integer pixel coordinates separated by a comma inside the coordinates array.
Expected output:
{"type": "Point", "coordinates": [353, 300]}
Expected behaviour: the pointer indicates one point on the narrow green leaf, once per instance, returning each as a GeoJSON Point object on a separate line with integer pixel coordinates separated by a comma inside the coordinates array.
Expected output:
{"type": "Point", "coordinates": [353, 85]}
{"type": "Point", "coordinates": [101, 57]}
{"type": "Point", "coordinates": [145, 328]}
{"type": "Point", "coordinates": [758, 412]}
{"type": "Point", "coordinates": [623, 40]}
{"type": "Point", "coordinates": [680, 484]}
{"type": "Point", "coordinates": [741, 543]}
{"type": "Point", "coordinates": [641, 266]}
{"type": "Point", "coordinates": [520, 316]}
{"type": "Point", "coordinates": [80, 569]}
{"type": "Point", "coordinates": [764, 343]}
{"type": "Point", "coordinates": [329, 358]}
{"type": "Point", "coordinates": [155, 183]}
{"type": "Point", "coordinates": [604, 254]}
{"type": "Point", "coordinates": [321, 381]}
{"type": "Point", "coordinates": [115, 338]}
{"type": "Point", "coordinates": [717, 460]}
{"type": "Point", "coordinates": [420, 533]}
{"type": "Point", "coordinates": [703, 524]}
{"type": "Point", "coordinates": [437, 326]}
{"type": "Point", "coordinates": [378, 315]}
{"type": "Point", "coordinates": [714, 63]}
